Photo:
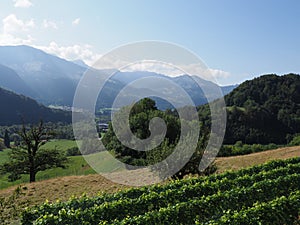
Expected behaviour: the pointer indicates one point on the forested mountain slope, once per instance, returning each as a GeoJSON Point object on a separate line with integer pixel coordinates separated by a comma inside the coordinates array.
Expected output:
{"type": "Point", "coordinates": [264, 110]}
{"type": "Point", "coordinates": [16, 108]}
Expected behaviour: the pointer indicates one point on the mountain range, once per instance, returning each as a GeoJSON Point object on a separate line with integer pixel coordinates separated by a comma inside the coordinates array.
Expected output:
{"type": "Point", "coordinates": [49, 79]}
{"type": "Point", "coordinates": [10, 80]}
{"type": "Point", "coordinates": [262, 110]}
{"type": "Point", "coordinates": [53, 80]}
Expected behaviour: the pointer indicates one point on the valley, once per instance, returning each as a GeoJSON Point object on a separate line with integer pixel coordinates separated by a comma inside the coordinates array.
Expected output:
{"type": "Point", "coordinates": [263, 125]}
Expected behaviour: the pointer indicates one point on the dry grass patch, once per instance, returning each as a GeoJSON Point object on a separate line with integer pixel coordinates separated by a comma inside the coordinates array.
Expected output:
{"type": "Point", "coordinates": [239, 162]}
{"type": "Point", "coordinates": [63, 188]}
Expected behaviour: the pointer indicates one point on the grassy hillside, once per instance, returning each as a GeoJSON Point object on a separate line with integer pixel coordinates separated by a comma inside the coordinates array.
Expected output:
{"type": "Point", "coordinates": [61, 144]}
{"type": "Point", "coordinates": [264, 194]}
{"type": "Point", "coordinates": [64, 187]}
{"type": "Point", "coordinates": [76, 166]}
{"type": "Point", "coordinates": [238, 162]}
{"type": "Point", "coordinates": [4, 155]}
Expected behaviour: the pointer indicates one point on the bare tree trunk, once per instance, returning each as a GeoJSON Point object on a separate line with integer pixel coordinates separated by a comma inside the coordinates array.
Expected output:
{"type": "Point", "coordinates": [32, 175]}
{"type": "Point", "coordinates": [31, 169]}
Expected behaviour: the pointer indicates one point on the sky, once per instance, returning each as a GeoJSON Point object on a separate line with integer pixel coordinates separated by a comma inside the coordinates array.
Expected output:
{"type": "Point", "coordinates": [236, 39]}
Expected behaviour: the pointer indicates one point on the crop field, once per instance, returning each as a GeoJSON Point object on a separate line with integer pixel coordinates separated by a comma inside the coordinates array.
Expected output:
{"type": "Point", "coordinates": [263, 194]}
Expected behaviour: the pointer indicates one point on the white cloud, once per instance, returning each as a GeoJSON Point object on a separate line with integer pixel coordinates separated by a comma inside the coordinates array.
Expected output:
{"type": "Point", "coordinates": [175, 70]}
{"type": "Point", "coordinates": [50, 24]}
{"type": "Point", "coordinates": [22, 3]}
{"type": "Point", "coordinates": [11, 24]}
{"type": "Point", "coordinates": [151, 66]}
{"type": "Point", "coordinates": [8, 39]}
{"type": "Point", "coordinates": [76, 22]}
{"type": "Point", "coordinates": [73, 52]}
{"type": "Point", "coordinates": [15, 31]}
{"type": "Point", "coordinates": [218, 73]}
{"type": "Point", "coordinates": [203, 72]}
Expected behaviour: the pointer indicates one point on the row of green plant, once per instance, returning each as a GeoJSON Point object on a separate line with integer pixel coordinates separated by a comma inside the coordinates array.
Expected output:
{"type": "Point", "coordinates": [213, 206]}
{"type": "Point", "coordinates": [201, 208]}
{"type": "Point", "coordinates": [134, 202]}
{"type": "Point", "coordinates": [85, 202]}
{"type": "Point", "coordinates": [282, 210]}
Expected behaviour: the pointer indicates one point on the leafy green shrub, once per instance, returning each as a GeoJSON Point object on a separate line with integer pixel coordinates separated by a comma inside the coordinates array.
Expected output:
{"type": "Point", "coordinates": [242, 149]}
{"type": "Point", "coordinates": [73, 151]}
{"type": "Point", "coordinates": [2, 146]}
{"type": "Point", "coordinates": [295, 141]}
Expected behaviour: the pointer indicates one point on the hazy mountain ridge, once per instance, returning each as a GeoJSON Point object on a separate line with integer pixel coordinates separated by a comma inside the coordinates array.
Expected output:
{"type": "Point", "coordinates": [10, 80]}
{"type": "Point", "coordinates": [189, 84]}
{"type": "Point", "coordinates": [52, 80]}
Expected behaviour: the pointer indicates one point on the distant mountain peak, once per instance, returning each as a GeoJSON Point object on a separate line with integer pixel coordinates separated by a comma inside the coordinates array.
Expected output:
{"type": "Point", "coordinates": [53, 79]}
{"type": "Point", "coordinates": [81, 63]}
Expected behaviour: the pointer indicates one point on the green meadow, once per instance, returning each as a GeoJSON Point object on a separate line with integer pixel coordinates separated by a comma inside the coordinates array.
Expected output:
{"type": "Point", "coordinates": [76, 165]}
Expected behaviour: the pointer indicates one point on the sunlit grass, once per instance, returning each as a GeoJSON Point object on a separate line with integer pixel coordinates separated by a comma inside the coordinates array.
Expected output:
{"type": "Point", "coordinates": [76, 165]}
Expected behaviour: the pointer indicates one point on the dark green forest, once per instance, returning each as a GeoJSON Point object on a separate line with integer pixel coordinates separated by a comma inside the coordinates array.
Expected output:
{"type": "Point", "coordinates": [17, 108]}
{"type": "Point", "coordinates": [264, 110]}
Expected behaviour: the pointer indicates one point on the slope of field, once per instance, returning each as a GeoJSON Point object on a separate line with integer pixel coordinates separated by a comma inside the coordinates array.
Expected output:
{"type": "Point", "coordinates": [242, 196]}
{"type": "Point", "coordinates": [76, 166]}
{"type": "Point", "coordinates": [64, 187]}
{"type": "Point", "coordinates": [238, 162]}
{"type": "Point", "coordinates": [14, 199]}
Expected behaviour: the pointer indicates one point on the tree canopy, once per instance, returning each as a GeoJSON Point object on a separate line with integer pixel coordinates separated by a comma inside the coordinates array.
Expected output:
{"type": "Point", "coordinates": [140, 115]}
{"type": "Point", "coordinates": [29, 158]}
{"type": "Point", "coordinates": [264, 110]}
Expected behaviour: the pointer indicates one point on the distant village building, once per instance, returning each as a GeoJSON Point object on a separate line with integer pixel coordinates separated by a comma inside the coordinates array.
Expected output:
{"type": "Point", "coordinates": [102, 127]}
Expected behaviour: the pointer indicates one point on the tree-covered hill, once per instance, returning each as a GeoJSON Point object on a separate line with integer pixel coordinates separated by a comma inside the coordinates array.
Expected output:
{"type": "Point", "coordinates": [15, 108]}
{"type": "Point", "coordinates": [264, 110]}
{"type": "Point", "coordinates": [261, 111]}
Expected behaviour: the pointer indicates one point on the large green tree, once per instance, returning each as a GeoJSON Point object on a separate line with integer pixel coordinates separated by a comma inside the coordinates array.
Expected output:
{"type": "Point", "coordinates": [29, 157]}
{"type": "Point", "coordinates": [140, 115]}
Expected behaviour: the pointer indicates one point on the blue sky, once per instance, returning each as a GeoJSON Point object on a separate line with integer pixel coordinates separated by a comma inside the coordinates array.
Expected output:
{"type": "Point", "coordinates": [237, 38]}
